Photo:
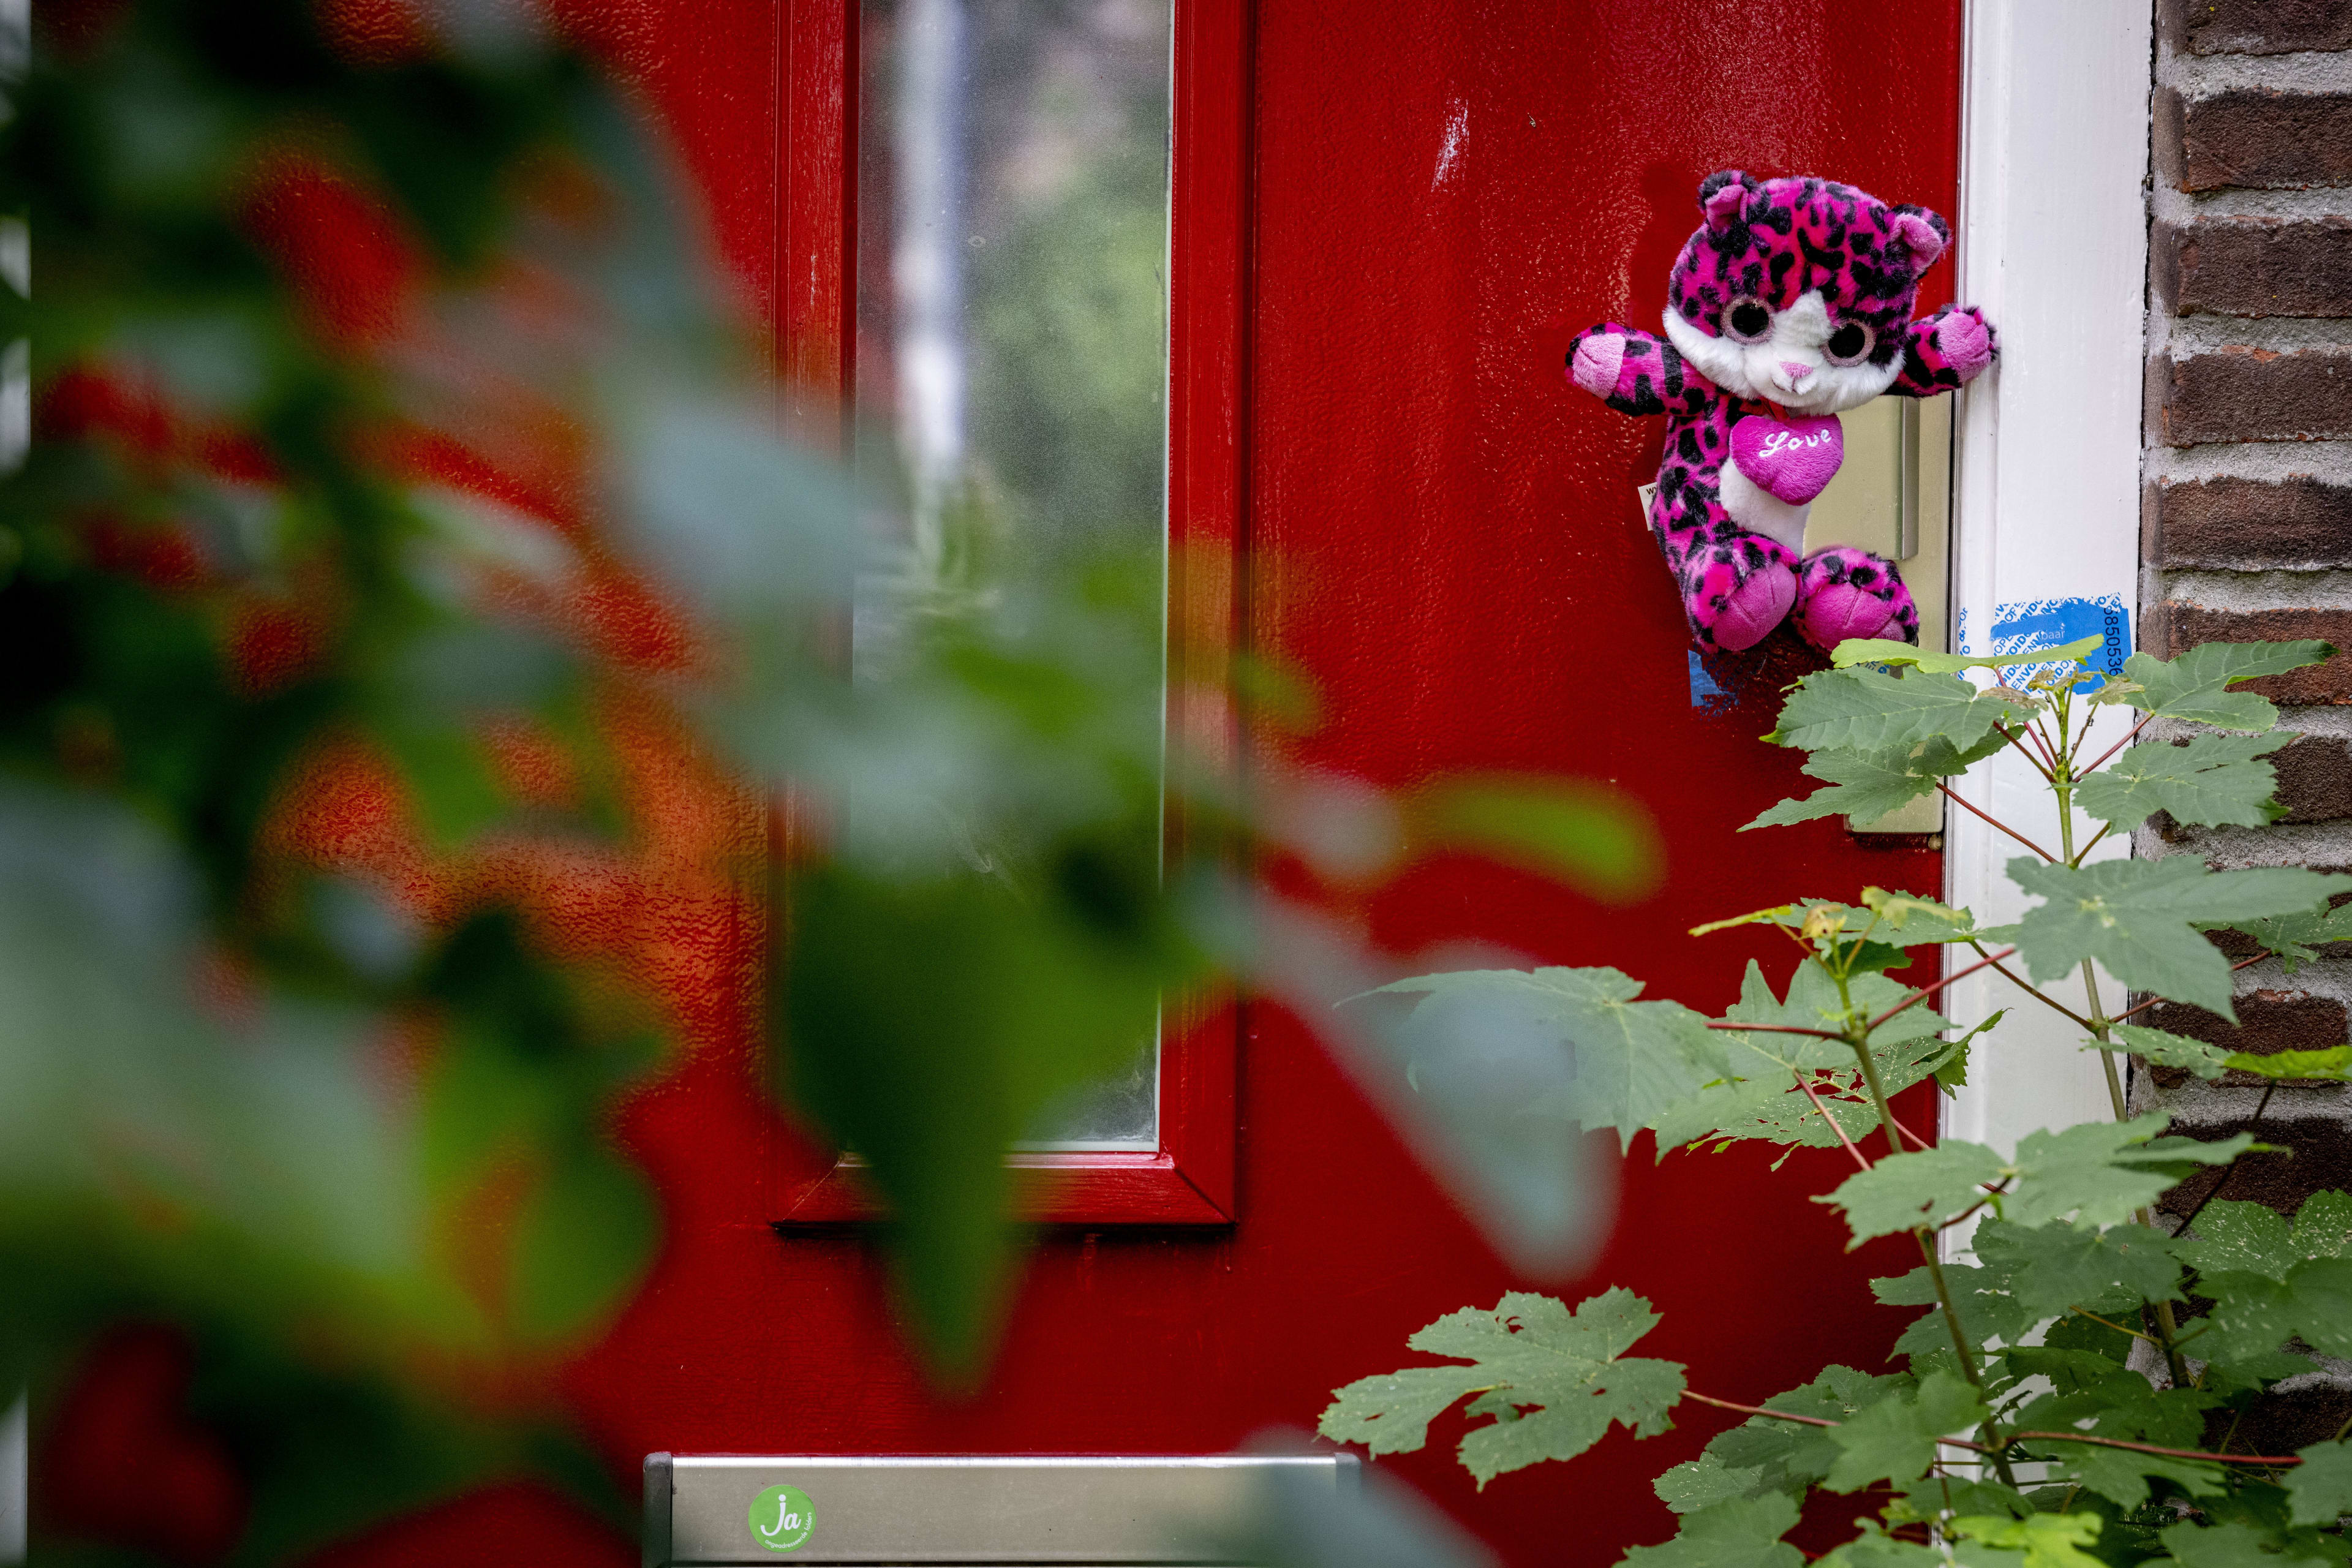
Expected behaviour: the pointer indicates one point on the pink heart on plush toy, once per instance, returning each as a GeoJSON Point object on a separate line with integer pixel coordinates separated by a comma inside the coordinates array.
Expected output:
{"type": "Point", "coordinates": [1794, 458]}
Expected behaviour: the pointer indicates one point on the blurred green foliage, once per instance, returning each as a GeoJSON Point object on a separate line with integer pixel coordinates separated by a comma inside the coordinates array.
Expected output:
{"type": "Point", "coordinates": [372, 371]}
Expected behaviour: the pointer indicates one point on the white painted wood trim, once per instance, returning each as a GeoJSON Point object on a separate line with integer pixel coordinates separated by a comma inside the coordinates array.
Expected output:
{"type": "Point", "coordinates": [2053, 245]}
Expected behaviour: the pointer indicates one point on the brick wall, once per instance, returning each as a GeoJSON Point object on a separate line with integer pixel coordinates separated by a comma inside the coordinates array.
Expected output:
{"type": "Point", "coordinates": [2248, 520]}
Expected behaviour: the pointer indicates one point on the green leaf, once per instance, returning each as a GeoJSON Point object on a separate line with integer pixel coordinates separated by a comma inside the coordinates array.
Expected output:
{"type": "Point", "coordinates": [1789, 1456]}
{"type": "Point", "coordinates": [2195, 686]}
{"type": "Point", "coordinates": [932, 1022]}
{"type": "Point", "coordinates": [1921, 922]}
{"type": "Point", "coordinates": [1952, 1073]}
{"type": "Point", "coordinates": [1907, 1191]}
{"type": "Point", "coordinates": [1869, 784]}
{"type": "Point", "coordinates": [2083, 1350]}
{"type": "Point", "coordinates": [2048, 1540]}
{"type": "Point", "coordinates": [2053, 1268]}
{"type": "Point", "coordinates": [1861, 785]}
{"type": "Point", "coordinates": [1816, 920]}
{"type": "Point", "coordinates": [1867, 710]}
{"type": "Point", "coordinates": [2213, 780]}
{"type": "Point", "coordinates": [1873, 1548]}
{"type": "Point", "coordinates": [2121, 1475]}
{"type": "Point", "coordinates": [2240, 1238]}
{"type": "Point", "coordinates": [1490, 1075]}
{"type": "Point", "coordinates": [1777, 915]}
{"type": "Point", "coordinates": [1632, 1060]}
{"type": "Point", "coordinates": [2320, 1488]}
{"type": "Point", "coordinates": [1591, 837]}
{"type": "Point", "coordinates": [2106, 1399]}
{"type": "Point", "coordinates": [1882, 650]}
{"type": "Point", "coordinates": [2235, 1543]}
{"type": "Point", "coordinates": [1703, 1482]}
{"type": "Point", "coordinates": [448, 775]}
{"type": "Point", "coordinates": [1390, 1413]}
{"type": "Point", "coordinates": [1566, 1371]}
{"type": "Point", "coordinates": [2253, 1238]}
{"type": "Point", "coordinates": [2254, 1314]}
{"type": "Point", "coordinates": [1936, 1497]}
{"type": "Point", "coordinates": [2134, 917]}
{"type": "Point", "coordinates": [1980, 1296]}
{"type": "Point", "coordinates": [1744, 1533]}
{"type": "Point", "coordinates": [2101, 1396]}
{"type": "Point", "coordinates": [1894, 1439]}
{"type": "Point", "coordinates": [1918, 921]}
{"type": "Point", "coordinates": [583, 1237]}
{"type": "Point", "coordinates": [2297, 939]}
{"type": "Point", "coordinates": [1757, 1097]}
{"type": "Point", "coordinates": [2100, 1173]}
{"type": "Point", "coordinates": [2334, 1062]}
{"type": "Point", "coordinates": [2166, 1049]}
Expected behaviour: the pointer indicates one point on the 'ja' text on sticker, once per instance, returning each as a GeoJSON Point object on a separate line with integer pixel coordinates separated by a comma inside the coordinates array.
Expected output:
{"type": "Point", "coordinates": [782, 1518]}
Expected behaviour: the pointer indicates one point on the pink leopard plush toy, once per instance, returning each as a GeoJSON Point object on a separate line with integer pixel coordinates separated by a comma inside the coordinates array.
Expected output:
{"type": "Point", "coordinates": [1792, 302]}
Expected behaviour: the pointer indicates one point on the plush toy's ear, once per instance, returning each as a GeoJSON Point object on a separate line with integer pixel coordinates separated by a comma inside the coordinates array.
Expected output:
{"type": "Point", "coordinates": [1722, 195]}
{"type": "Point", "coordinates": [1923, 234]}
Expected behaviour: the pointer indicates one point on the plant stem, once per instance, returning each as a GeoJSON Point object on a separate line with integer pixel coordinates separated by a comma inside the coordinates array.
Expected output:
{"type": "Point", "coordinates": [2118, 1328]}
{"type": "Point", "coordinates": [2067, 741]}
{"type": "Point", "coordinates": [2100, 1026]}
{"type": "Point", "coordinates": [2168, 1336]}
{"type": "Point", "coordinates": [2114, 1084]}
{"type": "Point", "coordinates": [2119, 746]}
{"type": "Point", "coordinates": [2087, 848]}
{"type": "Point", "coordinates": [2042, 739]}
{"type": "Point", "coordinates": [2004, 827]}
{"type": "Point", "coordinates": [1733, 1026]}
{"type": "Point", "coordinates": [2031, 990]}
{"type": "Point", "coordinates": [1991, 1194]}
{"type": "Point", "coordinates": [1927, 1251]}
{"type": "Point", "coordinates": [2014, 737]}
{"type": "Point", "coordinates": [1992, 1448]}
{"type": "Point", "coordinates": [1835, 1126]}
{"type": "Point", "coordinates": [2279, 1460]}
{"type": "Point", "coordinates": [1927, 991]}
{"type": "Point", "coordinates": [1758, 1410]}
{"type": "Point", "coordinates": [1877, 1093]}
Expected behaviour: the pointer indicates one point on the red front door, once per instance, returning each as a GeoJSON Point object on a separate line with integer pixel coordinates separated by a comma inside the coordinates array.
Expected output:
{"type": "Point", "coordinates": [1389, 205]}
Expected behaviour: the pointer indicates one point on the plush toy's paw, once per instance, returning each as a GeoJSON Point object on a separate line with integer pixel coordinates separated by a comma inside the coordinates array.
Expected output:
{"type": "Point", "coordinates": [1736, 592]}
{"type": "Point", "coordinates": [1847, 593]}
{"type": "Point", "coordinates": [1964, 340]}
{"type": "Point", "coordinates": [1599, 356]}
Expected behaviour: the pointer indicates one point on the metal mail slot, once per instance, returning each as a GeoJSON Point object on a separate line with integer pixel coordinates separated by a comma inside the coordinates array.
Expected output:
{"type": "Point", "coordinates": [734, 1507]}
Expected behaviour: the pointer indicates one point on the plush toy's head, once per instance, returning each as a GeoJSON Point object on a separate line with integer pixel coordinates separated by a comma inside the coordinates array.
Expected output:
{"type": "Point", "coordinates": [1799, 290]}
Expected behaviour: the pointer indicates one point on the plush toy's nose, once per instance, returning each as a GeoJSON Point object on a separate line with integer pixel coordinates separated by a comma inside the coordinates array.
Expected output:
{"type": "Point", "coordinates": [1795, 369]}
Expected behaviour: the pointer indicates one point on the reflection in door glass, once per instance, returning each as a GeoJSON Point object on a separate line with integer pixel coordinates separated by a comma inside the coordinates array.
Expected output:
{"type": "Point", "coordinates": [1013, 308]}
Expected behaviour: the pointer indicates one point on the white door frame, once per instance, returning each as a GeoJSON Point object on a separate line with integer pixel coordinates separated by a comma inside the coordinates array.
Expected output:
{"type": "Point", "coordinates": [2053, 245]}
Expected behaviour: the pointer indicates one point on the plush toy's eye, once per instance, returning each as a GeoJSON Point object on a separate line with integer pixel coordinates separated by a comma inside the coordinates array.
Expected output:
{"type": "Point", "coordinates": [1746, 321]}
{"type": "Point", "coordinates": [1849, 344]}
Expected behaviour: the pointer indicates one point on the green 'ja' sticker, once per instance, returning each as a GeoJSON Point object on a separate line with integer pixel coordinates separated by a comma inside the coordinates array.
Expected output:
{"type": "Point", "coordinates": [782, 1518]}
